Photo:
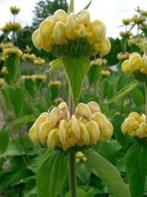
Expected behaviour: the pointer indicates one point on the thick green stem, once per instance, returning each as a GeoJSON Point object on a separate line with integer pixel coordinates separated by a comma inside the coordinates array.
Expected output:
{"type": "Point", "coordinates": [72, 174]}
{"type": "Point", "coordinates": [145, 90]}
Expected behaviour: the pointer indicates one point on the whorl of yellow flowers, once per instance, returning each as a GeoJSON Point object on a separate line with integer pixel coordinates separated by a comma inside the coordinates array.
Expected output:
{"type": "Point", "coordinates": [34, 77]}
{"type": "Point", "coordinates": [105, 73]}
{"type": "Point", "coordinates": [135, 125]}
{"type": "Point", "coordinates": [122, 56]}
{"type": "Point", "coordinates": [14, 10]}
{"type": "Point", "coordinates": [98, 62]}
{"type": "Point", "coordinates": [58, 32]}
{"type": "Point", "coordinates": [11, 51]}
{"type": "Point", "coordinates": [136, 64]}
{"type": "Point", "coordinates": [58, 129]}
{"type": "Point", "coordinates": [11, 26]}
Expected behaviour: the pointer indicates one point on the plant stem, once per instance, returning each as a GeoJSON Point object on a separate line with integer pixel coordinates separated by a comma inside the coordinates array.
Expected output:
{"type": "Point", "coordinates": [72, 174]}
{"type": "Point", "coordinates": [145, 90]}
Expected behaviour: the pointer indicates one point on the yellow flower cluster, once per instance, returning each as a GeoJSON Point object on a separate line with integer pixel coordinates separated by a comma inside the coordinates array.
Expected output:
{"type": "Point", "coordinates": [28, 57]}
{"type": "Point", "coordinates": [136, 41]}
{"type": "Point", "coordinates": [125, 34]}
{"type": "Point", "coordinates": [138, 19]}
{"type": "Point", "coordinates": [54, 84]}
{"type": "Point", "coordinates": [105, 73]}
{"type": "Point", "coordinates": [62, 29]}
{"type": "Point", "coordinates": [56, 128]}
{"type": "Point", "coordinates": [14, 10]}
{"type": "Point", "coordinates": [135, 64]}
{"type": "Point", "coordinates": [39, 61]}
{"type": "Point", "coordinates": [6, 45]}
{"type": "Point", "coordinates": [122, 56]}
{"type": "Point", "coordinates": [98, 62]}
{"type": "Point", "coordinates": [11, 51]}
{"type": "Point", "coordinates": [11, 26]}
{"type": "Point", "coordinates": [135, 125]}
{"type": "Point", "coordinates": [80, 157]}
{"type": "Point", "coordinates": [126, 21]}
{"type": "Point", "coordinates": [34, 77]}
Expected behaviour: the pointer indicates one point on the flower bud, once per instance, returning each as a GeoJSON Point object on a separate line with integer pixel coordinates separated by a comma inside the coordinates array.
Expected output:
{"type": "Point", "coordinates": [142, 130]}
{"type": "Point", "coordinates": [129, 126]}
{"type": "Point", "coordinates": [125, 66]}
{"type": "Point", "coordinates": [60, 15]}
{"type": "Point", "coordinates": [62, 132]}
{"type": "Point", "coordinates": [135, 61]}
{"type": "Point", "coordinates": [75, 126]}
{"type": "Point", "coordinates": [99, 30]}
{"type": "Point", "coordinates": [44, 130]}
{"type": "Point", "coordinates": [65, 113]}
{"type": "Point", "coordinates": [105, 47]}
{"type": "Point", "coordinates": [46, 29]}
{"type": "Point", "coordinates": [84, 135]}
{"type": "Point", "coordinates": [59, 33]}
{"type": "Point", "coordinates": [71, 23]}
{"type": "Point", "coordinates": [42, 118]}
{"type": "Point", "coordinates": [84, 17]}
{"type": "Point", "coordinates": [52, 139]}
{"type": "Point", "coordinates": [36, 38]}
{"type": "Point", "coordinates": [83, 111]}
{"type": "Point", "coordinates": [33, 134]}
{"type": "Point", "coordinates": [94, 107]}
{"type": "Point", "coordinates": [94, 131]}
{"type": "Point", "coordinates": [105, 126]}
{"type": "Point", "coordinates": [55, 116]}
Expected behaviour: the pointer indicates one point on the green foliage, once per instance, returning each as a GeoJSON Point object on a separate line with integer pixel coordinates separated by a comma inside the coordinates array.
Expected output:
{"type": "Point", "coordinates": [51, 174]}
{"type": "Point", "coordinates": [108, 173]}
{"type": "Point", "coordinates": [4, 140]}
{"type": "Point", "coordinates": [76, 69]}
{"type": "Point", "coordinates": [136, 160]}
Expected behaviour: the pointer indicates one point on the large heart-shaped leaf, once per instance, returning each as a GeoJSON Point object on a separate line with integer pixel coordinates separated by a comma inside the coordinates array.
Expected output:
{"type": "Point", "coordinates": [136, 168]}
{"type": "Point", "coordinates": [51, 174]}
{"type": "Point", "coordinates": [108, 173]}
{"type": "Point", "coordinates": [76, 69]}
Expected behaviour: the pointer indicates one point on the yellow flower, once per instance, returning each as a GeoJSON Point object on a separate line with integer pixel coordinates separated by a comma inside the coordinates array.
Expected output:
{"type": "Point", "coordinates": [36, 38]}
{"type": "Point", "coordinates": [59, 33]}
{"type": "Point", "coordinates": [44, 130]}
{"type": "Point", "coordinates": [94, 132]}
{"type": "Point", "coordinates": [135, 125]}
{"type": "Point", "coordinates": [52, 139]}
{"type": "Point", "coordinates": [84, 17]}
{"type": "Point", "coordinates": [60, 15]}
{"type": "Point", "coordinates": [105, 47]}
{"type": "Point", "coordinates": [46, 29]}
{"type": "Point", "coordinates": [106, 128]}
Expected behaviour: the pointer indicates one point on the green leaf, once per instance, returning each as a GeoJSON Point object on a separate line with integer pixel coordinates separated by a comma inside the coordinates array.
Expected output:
{"type": "Point", "coordinates": [108, 173]}
{"type": "Point", "coordinates": [52, 173]}
{"type": "Point", "coordinates": [136, 168]}
{"type": "Point", "coordinates": [83, 172]}
{"type": "Point", "coordinates": [23, 120]}
{"type": "Point", "coordinates": [82, 193]}
{"type": "Point", "coordinates": [76, 69]}
{"type": "Point", "coordinates": [124, 91]}
{"type": "Point", "coordinates": [4, 140]}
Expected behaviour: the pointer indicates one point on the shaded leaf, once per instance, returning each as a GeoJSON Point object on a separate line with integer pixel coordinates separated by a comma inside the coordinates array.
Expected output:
{"type": "Point", "coordinates": [108, 173]}
{"type": "Point", "coordinates": [52, 173]}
